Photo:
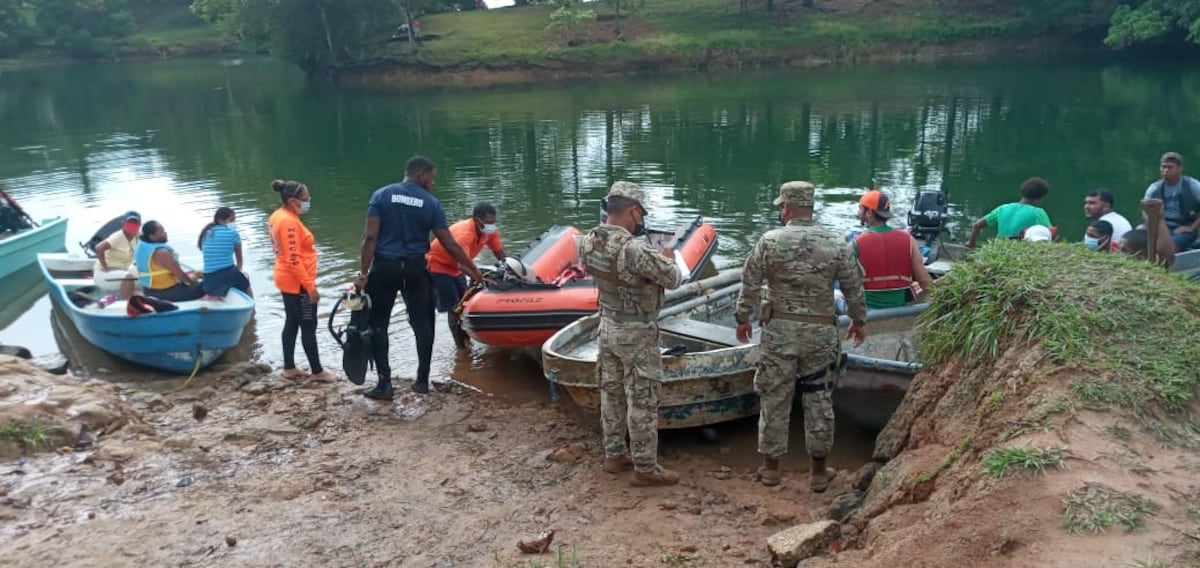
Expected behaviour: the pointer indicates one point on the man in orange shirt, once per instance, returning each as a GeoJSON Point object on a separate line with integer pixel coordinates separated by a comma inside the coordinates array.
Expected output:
{"type": "Point", "coordinates": [448, 279]}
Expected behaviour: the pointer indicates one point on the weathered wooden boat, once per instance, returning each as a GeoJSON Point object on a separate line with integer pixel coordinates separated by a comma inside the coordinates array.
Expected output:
{"type": "Point", "coordinates": [18, 250]}
{"type": "Point", "coordinates": [523, 310]}
{"type": "Point", "coordinates": [181, 341]}
{"type": "Point", "coordinates": [1187, 263]}
{"type": "Point", "coordinates": [709, 378]}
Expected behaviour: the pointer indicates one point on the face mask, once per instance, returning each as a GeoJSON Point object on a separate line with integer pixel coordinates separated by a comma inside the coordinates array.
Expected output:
{"type": "Point", "coordinates": [1091, 243]}
{"type": "Point", "coordinates": [489, 229]}
{"type": "Point", "coordinates": [305, 206]}
{"type": "Point", "coordinates": [132, 228]}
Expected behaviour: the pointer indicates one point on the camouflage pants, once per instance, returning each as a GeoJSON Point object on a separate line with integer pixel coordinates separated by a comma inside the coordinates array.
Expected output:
{"type": "Point", "coordinates": [629, 371]}
{"type": "Point", "coordinates": [790, 350]}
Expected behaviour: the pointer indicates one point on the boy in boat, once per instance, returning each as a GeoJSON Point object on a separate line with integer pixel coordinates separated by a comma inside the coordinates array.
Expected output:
{"type": "Point", "coordinates": [1011, 219]}
{"type": "Point", "coordinates": [449, 282]}
{"type": "Point", "coordinates": [890, 259]}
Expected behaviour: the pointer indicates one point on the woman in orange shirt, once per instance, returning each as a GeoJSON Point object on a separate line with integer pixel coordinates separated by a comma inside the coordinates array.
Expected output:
{"type": "Point", "coordinates": [296, 277]}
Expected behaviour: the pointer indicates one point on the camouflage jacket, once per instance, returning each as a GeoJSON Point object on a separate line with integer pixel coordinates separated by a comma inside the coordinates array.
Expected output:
{"type": "Point", "coordinates": [799, 263]}
{"type": "Point", "coordinates": [641, 271]}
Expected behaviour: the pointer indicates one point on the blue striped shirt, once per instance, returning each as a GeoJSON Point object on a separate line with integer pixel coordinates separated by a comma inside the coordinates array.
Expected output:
{"type": "Point", "coordinates": [218, 248]}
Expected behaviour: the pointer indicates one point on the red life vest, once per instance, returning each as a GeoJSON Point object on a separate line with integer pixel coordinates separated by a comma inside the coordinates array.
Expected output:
{"type": "Point", "coordinates": [886, 259]}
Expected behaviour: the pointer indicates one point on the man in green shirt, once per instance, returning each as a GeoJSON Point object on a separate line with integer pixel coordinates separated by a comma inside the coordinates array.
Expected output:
{"type": "Point", "coordinates": [1010, 219]}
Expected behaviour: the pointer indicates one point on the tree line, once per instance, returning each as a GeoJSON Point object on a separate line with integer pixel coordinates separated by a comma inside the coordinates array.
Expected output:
{"type": "Point", "coordinates": [314, 33]}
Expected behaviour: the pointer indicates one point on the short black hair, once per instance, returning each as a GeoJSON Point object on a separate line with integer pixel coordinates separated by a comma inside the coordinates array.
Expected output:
{"type": "Point", "coordinates": [1034, 188]}
{"type": "Point", "coordinates": [1104, 195]}
{"type": "Point", "coordinates": [619, 204]}
{"type": "Point", "coordinates": [1103, 227]}
{"type": "Point", "coordinates": [418, 165]}
{"type": "Point", "coordinates": [1135, 241]}
{"type": "Point", "coordinates": [483, 209]}
{"type": "Point", "coordinates": [149, 228]}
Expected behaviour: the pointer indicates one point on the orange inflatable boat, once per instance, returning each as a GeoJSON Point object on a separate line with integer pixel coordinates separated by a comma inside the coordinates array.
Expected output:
{"type": "Point", "coordinates": [544, 288]}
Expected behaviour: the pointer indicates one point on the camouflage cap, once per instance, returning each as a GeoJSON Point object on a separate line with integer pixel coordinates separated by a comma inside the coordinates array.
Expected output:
{"type": "Point", "coordinates": [627, 189]}
{"type": "Point", "coordinates": [797, 193]}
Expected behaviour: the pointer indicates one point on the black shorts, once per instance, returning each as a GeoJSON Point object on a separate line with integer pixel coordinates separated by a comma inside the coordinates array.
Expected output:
{"type": "Point", "coordinates": [449, 289]}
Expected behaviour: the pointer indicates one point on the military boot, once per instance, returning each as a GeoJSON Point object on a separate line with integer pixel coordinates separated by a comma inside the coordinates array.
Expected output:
{"type": "Point", "coordinates": [660, 476]}
{"type": "Point", "coordinates": [819, 476]}
{"type": "Point", "coordinates": [768, 472]}
{"type": "Point", "coordinates": [617, 464]}
{"type": "Point", "coordinates": [382, 391]}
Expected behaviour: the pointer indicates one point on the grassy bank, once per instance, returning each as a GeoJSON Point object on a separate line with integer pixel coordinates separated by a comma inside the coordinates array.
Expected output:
{"type": "Point", "coordinates": [515, 45]}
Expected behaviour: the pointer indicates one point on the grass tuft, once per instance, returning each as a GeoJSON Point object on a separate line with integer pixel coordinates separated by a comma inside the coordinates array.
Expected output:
{"type": "Point", "coordinates": [1122, 321]}
{"type": "Point", "coordinates": [1000, 461]}
{"type": "Point", "coordinates": [963, 445]}
{"type": "Point", "coordinates": [1096, 507]}
{"type": "Point", "coordinates": [30, 435]}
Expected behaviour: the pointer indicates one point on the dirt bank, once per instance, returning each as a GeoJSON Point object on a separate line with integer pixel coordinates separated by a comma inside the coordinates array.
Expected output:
{"type": "Point", "coordinates": [316, 475]}
{"type": "Point", "coordinates": [414, 75]}
{"type": "Point", "coordinates": [1076, 444]}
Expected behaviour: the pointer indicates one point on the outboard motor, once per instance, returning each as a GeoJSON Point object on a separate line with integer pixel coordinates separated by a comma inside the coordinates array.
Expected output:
{"type": "Point", "coordinates": [927, 218]}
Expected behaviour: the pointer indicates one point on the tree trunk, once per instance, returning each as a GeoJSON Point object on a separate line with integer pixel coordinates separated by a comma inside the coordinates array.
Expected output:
{"type": "Point", "coordinates": [617, 19]}
{"type": "Point", "coordinates": [328, 34]}
{"type": "Point", "coordinates": [412, 40]}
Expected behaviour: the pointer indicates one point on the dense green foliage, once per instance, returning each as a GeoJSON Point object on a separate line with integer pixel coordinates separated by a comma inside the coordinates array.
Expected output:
{"type": "Point", "coordinates": [1136, 22]}
{"type": "Point", "coordinates": [1125, 321]}
{"type": "Point", "coordinates": [79, 27]}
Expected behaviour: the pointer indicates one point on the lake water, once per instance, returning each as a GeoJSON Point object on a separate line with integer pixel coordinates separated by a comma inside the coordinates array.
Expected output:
{"type": "Point", "coordinates": [177, 139]}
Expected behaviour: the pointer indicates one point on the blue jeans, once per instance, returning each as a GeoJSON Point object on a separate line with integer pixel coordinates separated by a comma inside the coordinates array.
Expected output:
{"type": "Point", "coordinates": [450, 290]}
{"type": "Point", "coordinates": [1182, 240]}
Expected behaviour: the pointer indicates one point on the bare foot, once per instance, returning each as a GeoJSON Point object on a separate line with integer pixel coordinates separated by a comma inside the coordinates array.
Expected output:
{"type": "Point", "coordinates": [324, 377]}
{"type": "Point", "coordinates": [209, 298]}
{"type": "Point", "coordinates": [294, 373]}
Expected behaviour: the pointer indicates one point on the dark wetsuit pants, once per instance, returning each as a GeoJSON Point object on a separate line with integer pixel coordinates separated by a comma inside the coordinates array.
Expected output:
{"type": "Point", "coordinates": [409, 276]}
{"type": "Point", "coordinates": [300, 318]}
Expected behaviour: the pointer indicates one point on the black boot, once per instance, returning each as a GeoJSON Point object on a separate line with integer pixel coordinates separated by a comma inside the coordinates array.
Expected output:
{"type": "Point", "coordinates": [382, 391]}
{"type": "Point", "coordinates": [420, 387]}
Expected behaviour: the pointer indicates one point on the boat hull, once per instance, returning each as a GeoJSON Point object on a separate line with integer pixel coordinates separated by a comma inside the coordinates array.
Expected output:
{"type": "Point", "coordinates": [515, 315]}
{"type": "Point", "coordinates": [716, 384]}
{"type": "Point", "coordinates": [179, 341]}
{"type": "Point", "coordinates": [21, 249]}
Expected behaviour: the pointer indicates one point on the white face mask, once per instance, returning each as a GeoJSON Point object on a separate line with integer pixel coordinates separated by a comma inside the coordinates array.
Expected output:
{"type": "Point", "coordinates": [489, 229]}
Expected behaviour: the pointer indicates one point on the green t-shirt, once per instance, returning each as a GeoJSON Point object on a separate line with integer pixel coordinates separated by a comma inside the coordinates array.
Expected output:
{"type": "Point", "coordinates": [1011, 218]}
{"type": "Point", "coordinates": [878, 299]}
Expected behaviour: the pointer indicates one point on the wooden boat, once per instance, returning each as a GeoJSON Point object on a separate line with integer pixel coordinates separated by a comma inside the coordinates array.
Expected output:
{"type": "Point", "coordinates": [713, 379]}
{"type": "Point", "coordinates": [18, 250]}
{"type": "Point", "coordinates": [523, 310]}
{"type": "Point", "coordinates": [1187, 263]}
{"type": "Point", "coordinates": [181, 341]}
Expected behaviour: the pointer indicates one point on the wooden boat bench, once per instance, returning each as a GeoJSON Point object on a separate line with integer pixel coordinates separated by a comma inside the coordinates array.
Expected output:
{"type": "Point", "coordinates": [704, 331]}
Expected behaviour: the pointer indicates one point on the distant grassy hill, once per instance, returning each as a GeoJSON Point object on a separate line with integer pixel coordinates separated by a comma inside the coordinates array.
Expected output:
{"type": "Point", "coordinates": [691, 27]}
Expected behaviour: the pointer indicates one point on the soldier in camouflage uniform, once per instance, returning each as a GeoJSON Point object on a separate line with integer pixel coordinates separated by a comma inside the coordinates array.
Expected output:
{"type": "Point", "coordinates": [630, 275]}
{"type": "Point", "coordinates": [799, 263]}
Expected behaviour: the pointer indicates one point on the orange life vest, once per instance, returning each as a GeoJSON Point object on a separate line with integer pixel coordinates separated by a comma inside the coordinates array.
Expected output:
{"type": "Point", "coordinates": [886, 260]}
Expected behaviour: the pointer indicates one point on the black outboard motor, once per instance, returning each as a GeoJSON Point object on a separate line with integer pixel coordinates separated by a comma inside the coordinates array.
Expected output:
{"type": "Point", "coordinates": [113, 225]}
{"type": "Point", "coordinates": [927, 218]}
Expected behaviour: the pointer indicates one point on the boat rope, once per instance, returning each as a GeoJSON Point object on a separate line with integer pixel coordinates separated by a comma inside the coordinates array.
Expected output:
{"type": "Point", "coordinates": [195, 369]}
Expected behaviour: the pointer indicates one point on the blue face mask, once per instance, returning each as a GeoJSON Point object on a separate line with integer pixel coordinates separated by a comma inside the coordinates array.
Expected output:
{"type": "Point", "coordinates": [1091, 243]}
{"type": "Point", "coordinates": [305, 206]}
{"type": "Point", "coordinates": [489, 229]}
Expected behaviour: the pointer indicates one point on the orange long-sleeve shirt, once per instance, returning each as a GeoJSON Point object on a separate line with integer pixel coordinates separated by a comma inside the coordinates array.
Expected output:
{"type": "Point", "coordinates": [295, 255]}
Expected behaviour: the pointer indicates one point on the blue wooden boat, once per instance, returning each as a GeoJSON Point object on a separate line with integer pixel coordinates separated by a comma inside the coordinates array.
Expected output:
{"type": "Point", "coordinates": [18, 250]}
{"type": "Point", "coordinates": [180, 341]}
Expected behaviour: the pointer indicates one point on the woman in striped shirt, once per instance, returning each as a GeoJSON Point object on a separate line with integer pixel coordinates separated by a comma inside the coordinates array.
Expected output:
{"type": "Point", "coordinates": [222, 247]}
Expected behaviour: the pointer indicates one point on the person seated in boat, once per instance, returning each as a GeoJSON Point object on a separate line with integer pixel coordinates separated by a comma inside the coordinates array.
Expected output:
{"type": "Point", "coordinates": [1180, 195]}
{"type": "Point", "coordinates": [890, 258]}
{"type": "Point", "coordinates": [449, 282]}
{"type": "Point", "coordinates": [12, 218]}
{"type": "Point", "coordinates": [114, 270]}
{"type": "Point", "coordinates": [1136, 242]}
{"type": "Point", "coordinates": [222, 247]}
{"type": "Point", "coordinates": [1010, 219]}
{"type": "Point", "coordinates": [158, 267]}
{"type": "Point", "coordinates": [1099, 237]}
{"type": "Point", "coordinates": [1098, 206]}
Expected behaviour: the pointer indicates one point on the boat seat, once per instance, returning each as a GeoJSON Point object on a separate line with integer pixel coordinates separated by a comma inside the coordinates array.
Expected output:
{"type": "Point", "coordinates": [73, 283]}
{"type": "Point", "coordinates": [704, 331]}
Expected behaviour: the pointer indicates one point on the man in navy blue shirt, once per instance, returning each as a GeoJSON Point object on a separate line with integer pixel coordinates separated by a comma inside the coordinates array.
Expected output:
{"type": "Point", "coordinates": [399, 219]}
